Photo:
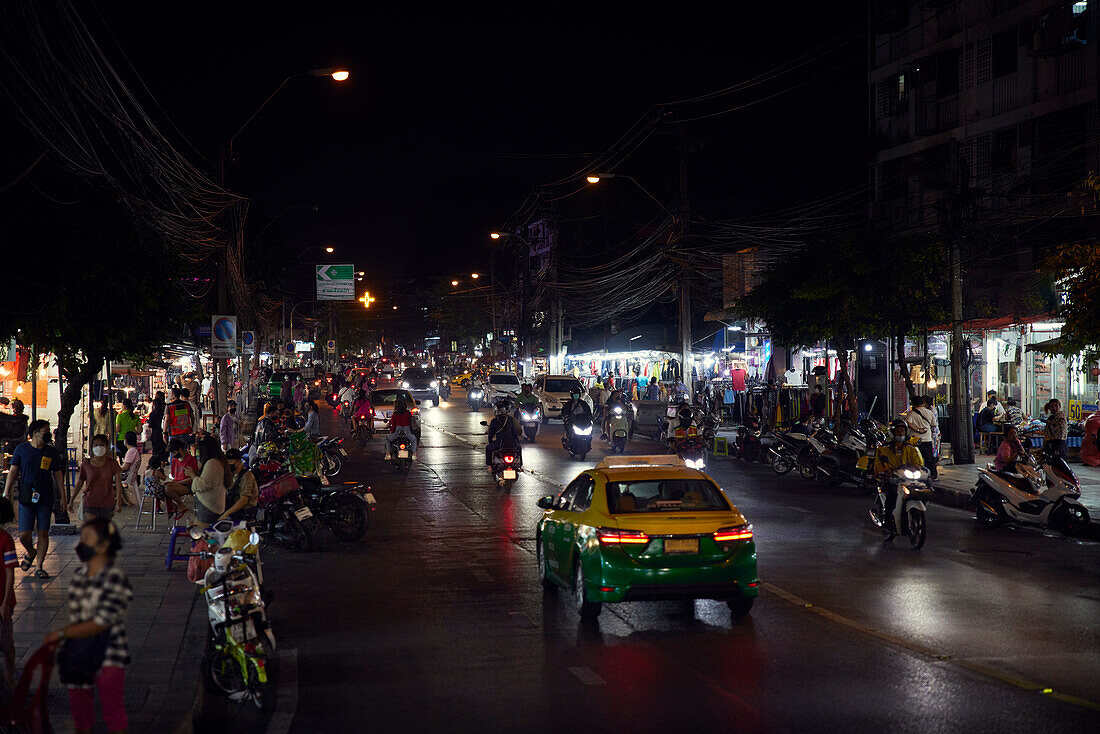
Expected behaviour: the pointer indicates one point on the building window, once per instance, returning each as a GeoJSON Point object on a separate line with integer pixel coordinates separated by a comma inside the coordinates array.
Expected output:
{"type": "Point", "coordinates": [1005, 54]}
{"type": "Point", "coordinates": [947, 73]}
{"type": "Point", "coordinates": [984, 60]}
{"type": "Point", "coordinates": [1002, 158]}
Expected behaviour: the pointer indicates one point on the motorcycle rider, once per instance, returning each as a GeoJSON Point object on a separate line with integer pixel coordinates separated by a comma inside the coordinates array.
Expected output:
{"type": "Point", "coordinates": [361, 409]}
{"type": "Point", "coordinates": [573, 407]}
{"type": "Point", "coordinates": [616, 398]}
{"type": "Point", "coordinates": [894, 455]}
{"type": "Point", "coordinates": [400, 422]}
{"type": "Point", "coordinates": [684, 430]}
{"type": "Point", "coordinates": [504, 432]}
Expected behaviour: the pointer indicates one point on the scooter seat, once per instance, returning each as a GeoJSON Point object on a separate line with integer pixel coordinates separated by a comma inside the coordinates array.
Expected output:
{"type": "Point", "coordinates": [1016, 481]}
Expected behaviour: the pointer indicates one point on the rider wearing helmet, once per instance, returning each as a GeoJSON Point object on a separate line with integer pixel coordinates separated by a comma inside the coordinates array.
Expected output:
{"type": "Point", "coordinates": [400, 422]}
{"type": "Point", "coordinates": [504, 431]}
{"type": "Point", "coordinates": [572, 407]}
{"type": "Point", "coordinates": [897, 453]}
{"type": "Point", "coordinates": [684, 428]}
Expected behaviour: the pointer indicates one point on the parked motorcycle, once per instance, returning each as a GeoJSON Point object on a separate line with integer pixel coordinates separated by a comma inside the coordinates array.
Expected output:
{"type": "Point", "coordinates": [282, 513]}
{"type": "Point", "coordinates": [332, 455]}
{"type": "Point", "coordinates": [618, 429]}
{"type": "Point", "coordinates": [818, 441]}
{"type": "Point", "coordinates": [530, 418]}
{"type": "Point", "coordinates": [241, 639]}
{"type": "Point", "coordinates": [850, 459]}
{"type": "Point", "coordinates": [1043, 491]}
{"type": "Point", "coordinates": [578, 438]}
{"type": "Point", "coordinates": [345, 510]}
{"type": "Point", "coordinates": [749, 446]}
{"type": "Point", "coordinates": [785, 448]}
{"type": "Point", "coordinates": [914, 489]}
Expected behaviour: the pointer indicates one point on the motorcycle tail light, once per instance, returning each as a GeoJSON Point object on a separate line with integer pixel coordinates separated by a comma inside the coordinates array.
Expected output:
{"type": "Point", "coordinates": [508, 458]}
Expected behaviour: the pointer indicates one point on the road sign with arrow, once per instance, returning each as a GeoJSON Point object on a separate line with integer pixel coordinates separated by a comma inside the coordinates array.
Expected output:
{"type": "Point", "coordinates": [335, 282]}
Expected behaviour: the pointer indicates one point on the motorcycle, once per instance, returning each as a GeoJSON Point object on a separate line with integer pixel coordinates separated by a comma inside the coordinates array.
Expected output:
{"type": "Point", "coordinates": [1043, 492]}
{"type": "Point", "coordinates": [475, 397]}
{"type": "Point", "coordinates": [914, 488]}
{"type": "Point", "coordinates": [241, 638]}
{"type": "Point", "coordinates": [345, 510]}
{"type": "Point", "coordinates": [786, 447]}
{"type": "Point", "coordinates": [345, 411]}
{"type": "Point", "coordinates": [618, 429]}
{"type": "Point", "coordinates": [693, 452]}
{"type": "Point", "coordinates": [850, 459]}
{"type": "Point", "coordinates": [749, 446]}
{"type": "Point", "coordinates": [530, 417]}
{"type": "Point", "coordinates": [332, 455]}
{"type": "Point", "coordinates": [818, 441]}
{"type": "Point", "coordinates": [444, 389]}
{"type": "Point", "coordinates": [282, 513]}
{"type": "Point", "coordinates": [507, 463]}
{"type": "Point", "coordinates": [578, 438]}
{"type": "Point", "coordinates": [402, 453]}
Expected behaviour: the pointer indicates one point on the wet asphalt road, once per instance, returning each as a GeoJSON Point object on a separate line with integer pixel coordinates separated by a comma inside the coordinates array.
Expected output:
{"type": "Point", "coordinates": [437, 620]}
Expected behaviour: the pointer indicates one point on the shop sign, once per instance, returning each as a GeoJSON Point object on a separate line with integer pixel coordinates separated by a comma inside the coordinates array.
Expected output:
{"type": "Point", "coordinates": [1074, 412]}
{"type": "Point", "coordinates": [223, 336]}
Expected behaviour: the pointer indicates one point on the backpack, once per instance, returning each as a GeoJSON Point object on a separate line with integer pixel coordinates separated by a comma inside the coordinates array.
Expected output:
{"type": "Point", "coordinates": [179, 419]}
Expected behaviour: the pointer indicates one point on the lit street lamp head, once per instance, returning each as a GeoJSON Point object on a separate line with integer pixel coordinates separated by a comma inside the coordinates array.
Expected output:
{"type": "Point", "coordinates": [593, 179]}
{"type": "Point", "coordinates": [475, 276]}
{"type": "Point", "coordinates": [328, 249]}
{"type": "Point", "coordinates": [340, 76]}
{"type": "Point", "coordinates": [454, 282]}
{"type": "Point", "coordinates": [495, 235]}
{"type": "Point", "coordinates": [336, 73]}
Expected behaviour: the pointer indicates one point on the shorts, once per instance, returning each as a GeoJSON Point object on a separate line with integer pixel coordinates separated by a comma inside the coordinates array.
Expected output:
{"type": "Point", "coordinates": [98, 513]}
{"type": "Point", "coordinates": [36, 512]}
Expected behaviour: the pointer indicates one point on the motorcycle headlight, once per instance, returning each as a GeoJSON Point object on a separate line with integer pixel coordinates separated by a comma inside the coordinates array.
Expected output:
{"type": "Point", "coordinates": [405, 385]}
{"type": "Point", "coordinates": [435, 383]}
{"type": "Point", "coordinates": [527, 417]}
{"type": "Point", "coordinates": [911, 474]}
{"type": "Point", "coordinates": [582, 431]}
{"type": "Point", "coordinates": [618, 410]}
{"type": "Point", "coordinates": [696, 463]}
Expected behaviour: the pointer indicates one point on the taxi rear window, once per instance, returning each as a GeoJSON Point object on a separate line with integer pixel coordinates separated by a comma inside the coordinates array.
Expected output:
{"type": "Point", "coordinates": [665, 495]}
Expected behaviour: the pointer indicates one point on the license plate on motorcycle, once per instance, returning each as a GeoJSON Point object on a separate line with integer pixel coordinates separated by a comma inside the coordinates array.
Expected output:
{"type": "Point", "coordinates": [369, 497]}
{"type": "Point", "coordinates": [303, 513]}
{"type": "Point", "coordinates": [402, 454]}
{"type": "Point", "coordinates": [343, 452]}
{"type": "Point", "coordinates": [681, 545]}
{"type": "Point", "coordinates": [509, 473]}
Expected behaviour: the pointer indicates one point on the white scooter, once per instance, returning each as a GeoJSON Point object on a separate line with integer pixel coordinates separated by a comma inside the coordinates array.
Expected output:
{"type": "Point", "coordinates": [1043, 491]}
{"type": "Point", "coordinates": [914, 487]}
{"type": "Point", "coordinates": [529, 417]}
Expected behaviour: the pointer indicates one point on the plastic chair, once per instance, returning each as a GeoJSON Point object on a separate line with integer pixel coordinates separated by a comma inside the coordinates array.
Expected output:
{"type": "Point", "coordinates": [31, 716]}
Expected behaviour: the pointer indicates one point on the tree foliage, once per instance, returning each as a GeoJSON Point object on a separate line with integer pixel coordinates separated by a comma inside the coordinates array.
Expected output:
{"type": "Point", "coordinates": [1077, 266]}
{"type": "Point", "coordinates": [848, 286]}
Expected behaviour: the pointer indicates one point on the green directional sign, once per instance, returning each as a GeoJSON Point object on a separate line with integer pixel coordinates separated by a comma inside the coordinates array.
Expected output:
{"type": "Point", "coordinates": [335, 282]}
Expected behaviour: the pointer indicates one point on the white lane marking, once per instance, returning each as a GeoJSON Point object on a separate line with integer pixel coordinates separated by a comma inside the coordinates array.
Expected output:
{"type": "Point", "coordinates": [587, 676]}
{"type": "Point", "coordinates": [483, 576]}
{"type": "Point", "coordinates": [287, 693]}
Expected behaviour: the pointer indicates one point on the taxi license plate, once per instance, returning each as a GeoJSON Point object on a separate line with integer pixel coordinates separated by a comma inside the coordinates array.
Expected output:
{"type": "Point", "coordinates": [402, 454]}
{"type": "Point", "coordinates": [681, 545]}
{"type": "Point", "coordinates": [343, 452]}
{"type": "Point", "coordinates": [303, 513]}
{"type": "Point", "coordinates": [509, 473]}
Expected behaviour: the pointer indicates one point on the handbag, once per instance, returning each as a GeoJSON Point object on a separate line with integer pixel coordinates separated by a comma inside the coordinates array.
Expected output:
{"type": "Point", "coordinates": [78, 660]}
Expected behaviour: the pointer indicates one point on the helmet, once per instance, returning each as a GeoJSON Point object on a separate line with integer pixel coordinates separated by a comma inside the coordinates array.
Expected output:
{"type": "Point", "coordinates": [899, 423]}
{"type": "Point", "coordinates": [502, 405]}
{"type": "Point", "coordinates": [685, 415]}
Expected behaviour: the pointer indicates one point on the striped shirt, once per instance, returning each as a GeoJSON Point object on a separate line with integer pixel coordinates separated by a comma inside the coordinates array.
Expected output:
{"type": "Point", "coordinates": [103, 599]}
{"type": "Point", "coordinates": [11, 559]}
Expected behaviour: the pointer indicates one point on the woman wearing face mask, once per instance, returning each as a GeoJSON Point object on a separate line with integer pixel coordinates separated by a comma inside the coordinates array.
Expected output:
{"type": "Point", "coordinates": [210, 484]}
{"type": "Point", "coordinates": [99, 594]}
{"type": "Point", "coordinates": [100, 478]}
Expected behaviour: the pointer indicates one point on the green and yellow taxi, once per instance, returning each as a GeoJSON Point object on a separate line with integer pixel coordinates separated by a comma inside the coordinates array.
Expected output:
{"type": "Point", "coordinates": [646, 528]}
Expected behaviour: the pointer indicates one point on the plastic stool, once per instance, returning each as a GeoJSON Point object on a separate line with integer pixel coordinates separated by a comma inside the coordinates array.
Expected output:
{"type": "Point", "coordinates": [152, 513]}
{"type": "Point", "coordinates": [720, 441]}
{"type": "Point", "coordinates": [177, 531]}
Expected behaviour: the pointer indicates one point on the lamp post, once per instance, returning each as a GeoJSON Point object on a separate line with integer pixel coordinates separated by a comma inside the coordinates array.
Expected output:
{"type": "Point", "coordinates": [680, 221]}
{"type": "Point", "coordinates": [523, 301]}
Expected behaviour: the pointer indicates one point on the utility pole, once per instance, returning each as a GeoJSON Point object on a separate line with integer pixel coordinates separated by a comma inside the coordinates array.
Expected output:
{"type": "Point", "coordinates": [962, 438]}
{"type": "Point", "coordinates": [685, 286]}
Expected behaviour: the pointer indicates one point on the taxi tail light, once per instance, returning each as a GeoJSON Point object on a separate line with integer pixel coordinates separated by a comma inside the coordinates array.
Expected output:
{"type": "Point", "coordinates": [737, 532]}
{"type": "Point", "coordinates": [615, 536]}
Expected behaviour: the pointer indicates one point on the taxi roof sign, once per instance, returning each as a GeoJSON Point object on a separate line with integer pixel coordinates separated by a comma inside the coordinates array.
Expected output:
{"type": "Point", "coordinates": [622, 462]}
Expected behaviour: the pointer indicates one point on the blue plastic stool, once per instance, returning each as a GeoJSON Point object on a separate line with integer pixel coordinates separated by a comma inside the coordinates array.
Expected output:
{"type": "Point", "coordinates": [171, 556]}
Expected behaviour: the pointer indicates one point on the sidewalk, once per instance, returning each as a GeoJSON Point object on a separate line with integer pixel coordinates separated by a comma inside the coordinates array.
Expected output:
{"type": "Point", "coordinates": [162, 679]}
{"type": "Point", "coordinates": [956, 481]}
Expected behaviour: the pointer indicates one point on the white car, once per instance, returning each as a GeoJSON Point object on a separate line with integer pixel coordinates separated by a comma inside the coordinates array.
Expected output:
{"type": "Point", "coordinates": [553, 390]}
{"type": "Point", "coordinates": [501, 384]}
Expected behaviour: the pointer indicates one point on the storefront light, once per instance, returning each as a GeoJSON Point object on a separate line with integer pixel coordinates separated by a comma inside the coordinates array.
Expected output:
{"type": "Point", "coordinates": [1047, 325]}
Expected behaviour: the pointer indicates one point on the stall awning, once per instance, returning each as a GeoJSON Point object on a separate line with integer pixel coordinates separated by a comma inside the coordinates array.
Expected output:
{"type": "Point", "coordinates": [996, 323]}
{"type": "Point", "coordinates": [1050, 346]}
{"type": "Point", "coordinates": [117, 369]}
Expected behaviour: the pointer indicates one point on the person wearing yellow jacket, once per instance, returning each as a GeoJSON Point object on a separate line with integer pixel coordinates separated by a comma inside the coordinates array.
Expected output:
{"type": "Point", "coordinates": [894, 455]}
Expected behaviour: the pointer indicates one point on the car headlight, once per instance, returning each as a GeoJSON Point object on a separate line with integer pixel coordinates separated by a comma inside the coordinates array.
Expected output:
{"type": "Point", "coordinates": [435, 383]}
{"type": "Point", "coordinates": [405, 385]}
{"type": "Point", "coordinates": [582, 431]}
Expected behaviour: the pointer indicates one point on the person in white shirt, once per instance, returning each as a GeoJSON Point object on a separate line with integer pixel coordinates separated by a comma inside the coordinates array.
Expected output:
{"type": "Point", "coordinates": [920, 420]}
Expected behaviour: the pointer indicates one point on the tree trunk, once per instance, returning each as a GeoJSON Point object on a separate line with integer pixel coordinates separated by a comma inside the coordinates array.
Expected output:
{"type": "Point", "coordinates": [899, 350]}
{"type": "Point", "coordinates": [76, 377]}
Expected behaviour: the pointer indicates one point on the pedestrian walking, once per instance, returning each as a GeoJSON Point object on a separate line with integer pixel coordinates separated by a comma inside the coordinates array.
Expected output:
{"type": "Point", "coordinates": [103, 418]}
{"type": "Point", "coordinates": [7, 596]}
{"type": "Point", "coordinates": [179, 419]}
{"type": "Point", "coordinates": [94, 651]}
{"type": "Point", "coordinates": [131, 471]}
{"type": "Point", "coordinates": [100, 481]}
{"type": "Point", "coordinates": [299, 394]}
{"type": "Point", "coordinates": [155, 422]}
{"type": "Point", "coordinates": [230, 424]}
{"type": "Point", "coordinates": [36, 466]}
{"type": "Point", "coordinates": [125, 422]}
{"type": "Point", "coordinates": [1056, 430]}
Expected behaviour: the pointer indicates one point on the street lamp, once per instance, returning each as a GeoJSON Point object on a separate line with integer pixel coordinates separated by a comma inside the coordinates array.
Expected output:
{"type": "Point", "coordinates": [454, 282]}
{"type": "Point", "coordinates": [328, 250]}
{"type": "Point", "coordinates": [339, 75]}
{"type": "Point", "coordinates": [475, 276]}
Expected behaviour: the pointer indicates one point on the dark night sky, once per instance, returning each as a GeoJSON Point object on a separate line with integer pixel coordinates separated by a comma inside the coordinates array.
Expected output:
{"type": "Point", "coordinates": [453, 112]}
